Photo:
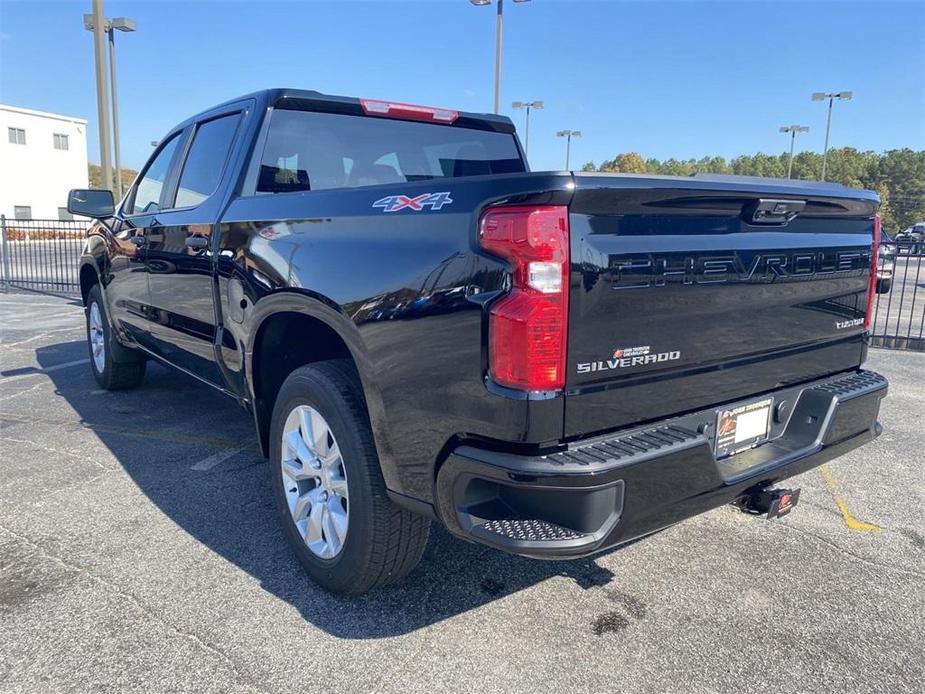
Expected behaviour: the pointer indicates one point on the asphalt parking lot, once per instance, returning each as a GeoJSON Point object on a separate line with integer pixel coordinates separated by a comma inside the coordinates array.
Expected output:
{"type": "Point", "coordinates": [139, 551]}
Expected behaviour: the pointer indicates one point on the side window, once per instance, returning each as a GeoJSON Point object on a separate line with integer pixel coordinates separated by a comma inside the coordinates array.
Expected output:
{"type": "Point", "coordinates": [206, 160]}
{"type": "Point", "coordinates": [295, 149]}
{"type": "Point", "coordinates": [148, 193]}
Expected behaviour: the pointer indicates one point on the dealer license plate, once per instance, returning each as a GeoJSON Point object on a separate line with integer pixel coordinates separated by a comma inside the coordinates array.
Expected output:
{"type": "Point", "coordinates": [743, 427]}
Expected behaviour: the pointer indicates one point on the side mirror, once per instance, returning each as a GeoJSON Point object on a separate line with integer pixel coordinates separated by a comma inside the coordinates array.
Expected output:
{"type": "Point", "coordinates": [96, 204]}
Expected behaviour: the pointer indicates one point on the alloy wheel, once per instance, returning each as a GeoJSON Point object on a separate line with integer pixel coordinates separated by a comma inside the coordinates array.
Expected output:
{"type": "Point", "coordinates": [97, 338]}
{"type": "Point", "coordinates": [315, 481]}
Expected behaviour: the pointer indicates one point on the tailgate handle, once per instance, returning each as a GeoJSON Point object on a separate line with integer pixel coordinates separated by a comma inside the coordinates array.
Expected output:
{"type": "Point", "coordinates": [768, 211]}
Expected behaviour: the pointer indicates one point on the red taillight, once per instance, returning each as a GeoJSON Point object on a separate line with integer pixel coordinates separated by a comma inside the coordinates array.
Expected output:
{"type": "Point", "coordinates": [872, 284]}
{"type": "Point", "coordinates": [392, 109]}
{"type": "Point", "coordinates": [528, 328]}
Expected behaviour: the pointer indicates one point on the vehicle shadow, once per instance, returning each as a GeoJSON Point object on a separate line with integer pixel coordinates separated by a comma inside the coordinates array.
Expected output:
{"type": "Point", "coordinates": [240, 523]}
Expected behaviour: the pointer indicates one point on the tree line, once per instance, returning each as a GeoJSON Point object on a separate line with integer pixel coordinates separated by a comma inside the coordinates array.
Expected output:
{"type": "Point", "coordinates": [95, 172]}
{"type": "Point", "coordinates": [897, 175]}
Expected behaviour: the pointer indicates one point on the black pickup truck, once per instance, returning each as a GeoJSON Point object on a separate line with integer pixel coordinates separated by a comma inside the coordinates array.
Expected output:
{"type": "Point", "coordinates": [548, 363]}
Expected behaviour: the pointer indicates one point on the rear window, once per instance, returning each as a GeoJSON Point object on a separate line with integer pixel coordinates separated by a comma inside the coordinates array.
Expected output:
{"type": "Point", "coordinates": [317, 151]}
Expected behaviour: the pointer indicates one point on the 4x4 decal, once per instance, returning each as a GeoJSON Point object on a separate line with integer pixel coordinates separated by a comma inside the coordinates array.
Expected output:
{"type": "Point", "coordinates": [394, 203]}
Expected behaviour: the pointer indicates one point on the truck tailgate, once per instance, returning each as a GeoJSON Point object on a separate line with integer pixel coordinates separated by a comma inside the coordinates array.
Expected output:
{"type": "Point", "coordinates": [690, 292]}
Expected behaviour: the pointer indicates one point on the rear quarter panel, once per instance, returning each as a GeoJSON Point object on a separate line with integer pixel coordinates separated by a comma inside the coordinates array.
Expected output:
{"type": "Point", "coordinates": [406, 290]}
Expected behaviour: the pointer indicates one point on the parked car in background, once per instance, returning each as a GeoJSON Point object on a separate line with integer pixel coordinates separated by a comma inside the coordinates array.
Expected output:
{"type": "Point", "coordinates": [887, 262]}
{"type": "Point", "coordinates": [911, 240]}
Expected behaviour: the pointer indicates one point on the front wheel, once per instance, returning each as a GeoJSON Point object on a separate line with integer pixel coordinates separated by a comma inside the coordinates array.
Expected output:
{"type": "Point", "coordinates": [330, 494]}
{"type": "Point", "coordinates": [111, 366]}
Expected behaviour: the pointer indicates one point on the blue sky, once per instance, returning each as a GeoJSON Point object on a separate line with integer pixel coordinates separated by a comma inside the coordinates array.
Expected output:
{"type": "Point", "coordinates": [681, 79]}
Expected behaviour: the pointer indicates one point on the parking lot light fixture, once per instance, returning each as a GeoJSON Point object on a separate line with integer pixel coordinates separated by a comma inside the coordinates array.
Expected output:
{"type": "Point", "coordinates": [831, 96]}
{"type": "Point", "coordinates": [517, 105]}
{"type": "Point", "coordinates": [568, 134]}
{"type": "Point", "coordinates": [111, 27]}
{"type": "Point", "coordinates": [96, 23]}
{"type": "Point", "coordinates": [498, 32]}
{"type": "Point", "coordinates": [793, 130]}
{"type": "Point", "coordinates": [124, 24]}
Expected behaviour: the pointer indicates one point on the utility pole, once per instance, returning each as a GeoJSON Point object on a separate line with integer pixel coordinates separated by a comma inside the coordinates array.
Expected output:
{"type": "Point", "coordinates": [110, 27]}
{"type": "Point", "coordinates": [498, 56]}
{"type": "Point", "coordinates": [793, 130]}
{"type": "Point", "coordinates": [527, 105]}
{"type": "Point", "coordinates": [122, 24]}
{"type": "Point", "coordinates": [568, 134]}
{"type": "Point", "coordinates": [498, 32]}
{"type": "Point", "coordinates": [102, 103]}
{"type": "Point", "coordinates": [822, 96]}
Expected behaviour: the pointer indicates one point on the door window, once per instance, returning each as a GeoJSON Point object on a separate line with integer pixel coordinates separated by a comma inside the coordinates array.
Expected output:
{"type": "Point", "coordinates": [148, 193]}
{"type": "Point", "coordinates": [206, 160]}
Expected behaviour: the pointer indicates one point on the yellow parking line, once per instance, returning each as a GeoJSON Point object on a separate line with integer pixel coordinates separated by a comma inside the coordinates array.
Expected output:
{"type": "Point", "coordinates": [851, 522]}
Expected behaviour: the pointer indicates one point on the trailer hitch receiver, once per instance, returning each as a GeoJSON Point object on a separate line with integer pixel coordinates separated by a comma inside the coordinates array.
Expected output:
{"type": "Point", "coordinates": [770, 503]}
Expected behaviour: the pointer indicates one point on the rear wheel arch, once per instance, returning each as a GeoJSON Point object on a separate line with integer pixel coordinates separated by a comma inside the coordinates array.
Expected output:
{"type": "Point", "coordinates": [289, 331]}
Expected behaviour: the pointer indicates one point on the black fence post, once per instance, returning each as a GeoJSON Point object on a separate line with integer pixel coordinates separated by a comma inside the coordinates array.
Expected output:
{"type": "Point", "coordinates": [4, 249]}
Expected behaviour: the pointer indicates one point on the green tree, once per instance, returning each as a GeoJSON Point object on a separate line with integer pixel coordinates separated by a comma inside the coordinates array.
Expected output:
{"type": "Point", "coordinates": [807, 166]}
{"type": "Point", "coordinates": [95, 174]}
{"type": "Point", "coordinates": [630, 162]}
{"type": "Point", "coordinates": [897, 175]}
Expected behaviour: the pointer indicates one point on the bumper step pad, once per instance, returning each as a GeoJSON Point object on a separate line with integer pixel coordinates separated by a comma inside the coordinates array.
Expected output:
{"type": "Point", "coordinates": [655, 440]}
{"type": "Point", "coordinates": [529, 529]}
{"type": "Point", "coordinates": [856, 384]}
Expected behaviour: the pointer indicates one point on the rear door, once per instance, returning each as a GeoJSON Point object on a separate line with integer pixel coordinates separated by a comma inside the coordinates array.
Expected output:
{"type": "Point", "coordinates": [179, 251]}
{"type": "Point", "coordinates": [689, 295]}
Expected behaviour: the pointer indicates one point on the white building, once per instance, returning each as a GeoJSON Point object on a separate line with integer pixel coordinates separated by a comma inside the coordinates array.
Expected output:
{"type": "Point", "coordinates": [42, 156]}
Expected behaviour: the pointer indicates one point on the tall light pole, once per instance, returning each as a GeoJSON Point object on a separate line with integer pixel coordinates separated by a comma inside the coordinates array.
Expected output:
{"type": "Point", "coordinates": [117, 24]}
{"type": "Point", "coordinates": [822, 96]}
{"type": "Point", "coordinates": [102, 104]}
{"type": "Point", "coordinates": [527, 105]}
{"type": "Point", "coordinates": [793, 130]}
{"type": "Point", "coordinates": [110, 27]}
{"type": "Point", "coordinates": [569, 134]}
{"type": "Point", "coordinates": [498, 31]}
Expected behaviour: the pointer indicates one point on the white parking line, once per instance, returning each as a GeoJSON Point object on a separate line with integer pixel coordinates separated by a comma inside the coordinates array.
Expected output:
{"type": "Point", "coordinates": [39, 372]}
{"type": "Point", "coordinates": [220, 457]}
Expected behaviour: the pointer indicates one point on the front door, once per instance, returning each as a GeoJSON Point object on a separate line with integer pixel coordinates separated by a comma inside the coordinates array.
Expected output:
{"type": "Point", "coordinates": [127, 282]}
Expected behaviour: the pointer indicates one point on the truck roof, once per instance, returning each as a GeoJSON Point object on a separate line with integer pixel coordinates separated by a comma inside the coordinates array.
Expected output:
{"type": "Point", "coordinates": [309, 99]}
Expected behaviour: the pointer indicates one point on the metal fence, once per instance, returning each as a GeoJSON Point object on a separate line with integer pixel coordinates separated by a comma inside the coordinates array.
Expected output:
{"type": "Point", "coordinates": [899, 314]}
{"type": "Point", "coordinates": [41, 254]}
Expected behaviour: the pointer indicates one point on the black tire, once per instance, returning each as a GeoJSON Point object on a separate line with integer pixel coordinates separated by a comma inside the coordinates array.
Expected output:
{"type": "Point", "coordinates": [121, 367]}
{"type": "Point", "coordinates": [383, 543]}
